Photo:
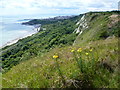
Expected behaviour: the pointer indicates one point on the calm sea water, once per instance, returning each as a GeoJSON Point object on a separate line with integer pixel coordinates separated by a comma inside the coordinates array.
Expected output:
{"type": "Point", "coordinates": [11, 28]}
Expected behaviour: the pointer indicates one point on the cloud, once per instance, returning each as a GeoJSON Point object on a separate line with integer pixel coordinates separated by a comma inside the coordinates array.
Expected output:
{"type": "Point", "coordinates": [30, 7]}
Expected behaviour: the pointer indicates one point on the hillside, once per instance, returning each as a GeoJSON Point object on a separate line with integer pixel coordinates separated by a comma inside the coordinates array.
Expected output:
{"type": "Point", "coordinates": [45, 59]}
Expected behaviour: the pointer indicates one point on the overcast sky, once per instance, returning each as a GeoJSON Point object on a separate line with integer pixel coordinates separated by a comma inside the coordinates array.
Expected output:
{"type": "Point", "coordinates": [54, 7]}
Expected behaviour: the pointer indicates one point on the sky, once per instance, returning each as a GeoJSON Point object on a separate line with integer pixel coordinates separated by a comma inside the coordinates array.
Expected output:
{"type": "Point", "coordinates": [54, 7]}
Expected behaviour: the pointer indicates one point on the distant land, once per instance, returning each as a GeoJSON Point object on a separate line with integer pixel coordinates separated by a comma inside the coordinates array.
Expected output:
{"type": "Point", "coordinates": [36, 21]}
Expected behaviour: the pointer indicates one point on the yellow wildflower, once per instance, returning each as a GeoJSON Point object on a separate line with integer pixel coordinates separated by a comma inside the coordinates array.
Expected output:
{"type": "Point", "coordinates": [55, 56]}
{"type": "Point", "coordinates": [91, 50]}
{"type": "Point", "coordinates": [72, 50]}
{"type": "Point", "coordinates": [79, 50]}
{"type": "Point", "coordinates": [86, 53]}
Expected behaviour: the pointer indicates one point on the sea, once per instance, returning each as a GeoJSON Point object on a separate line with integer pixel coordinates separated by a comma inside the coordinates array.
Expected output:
{"type": "Point", "coordinates": [11, 28]}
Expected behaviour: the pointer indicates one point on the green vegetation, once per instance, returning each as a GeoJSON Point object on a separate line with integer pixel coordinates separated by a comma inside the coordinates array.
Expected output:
{"type": "Point", "coordinates": [58, 58]}
{"type": "Point", "coordinates": [42, 71]}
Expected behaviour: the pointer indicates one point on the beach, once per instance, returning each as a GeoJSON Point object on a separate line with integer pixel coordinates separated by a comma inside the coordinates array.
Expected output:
{"type": "Point", "coordinates": [16, 40]}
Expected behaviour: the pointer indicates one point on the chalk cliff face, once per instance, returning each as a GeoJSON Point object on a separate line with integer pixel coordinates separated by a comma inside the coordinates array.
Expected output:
{"type": "Point", "coordinates": [82, 25]}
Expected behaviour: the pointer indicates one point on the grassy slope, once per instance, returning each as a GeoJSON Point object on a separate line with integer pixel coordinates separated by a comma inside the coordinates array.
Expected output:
{"type": "Point", "coordinates": [41, 71]}
{"type": "Point", "coordinates": [99, 27]}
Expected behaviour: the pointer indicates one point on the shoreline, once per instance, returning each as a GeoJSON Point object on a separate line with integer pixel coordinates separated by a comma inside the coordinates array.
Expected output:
{"type": "Point", "coordinates": [17, 39]}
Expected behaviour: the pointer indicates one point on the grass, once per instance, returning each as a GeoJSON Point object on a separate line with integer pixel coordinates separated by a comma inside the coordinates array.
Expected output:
{"type": "Point", "coordinates": [42, 71]}
{"type": "Point", "coordinates": [0, 80]}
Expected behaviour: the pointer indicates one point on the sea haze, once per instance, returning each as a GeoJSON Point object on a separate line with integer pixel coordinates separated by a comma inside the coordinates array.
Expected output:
{"type": "Point", "coordinates": [11, 29]}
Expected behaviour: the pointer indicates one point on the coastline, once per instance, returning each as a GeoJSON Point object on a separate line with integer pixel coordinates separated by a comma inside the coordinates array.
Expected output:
{"type": "Point", "coordinates": [16, 40]}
